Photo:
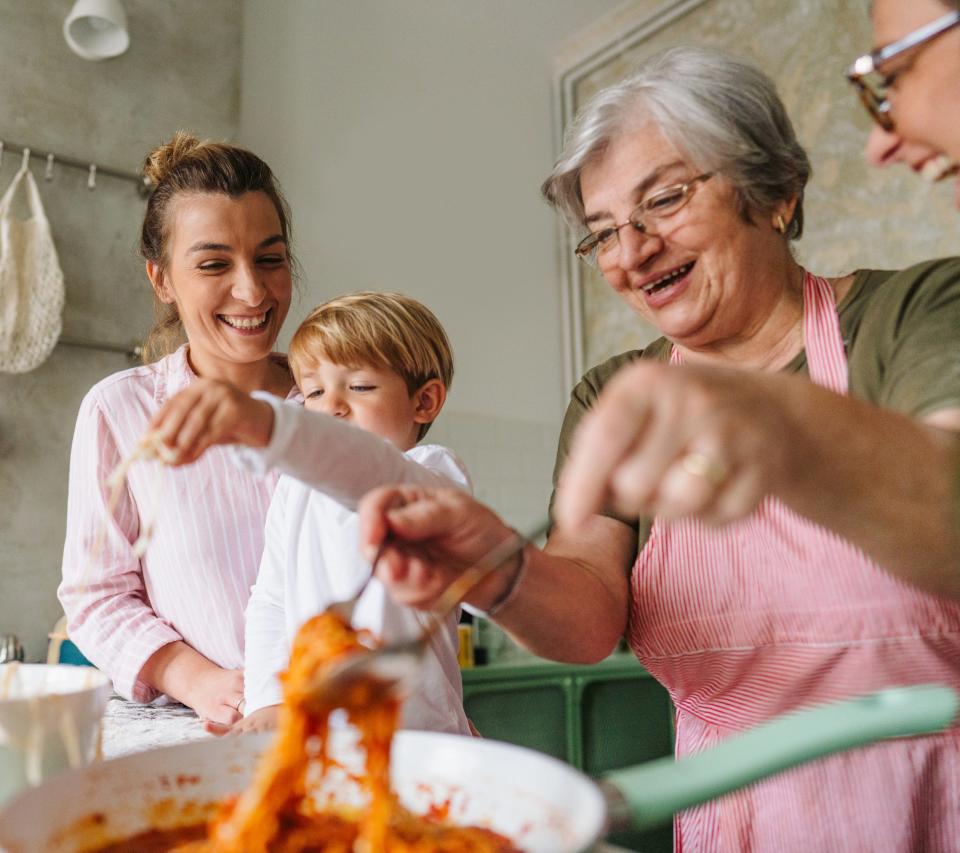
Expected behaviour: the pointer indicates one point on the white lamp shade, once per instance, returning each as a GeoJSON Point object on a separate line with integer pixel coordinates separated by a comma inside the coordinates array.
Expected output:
{"type": "Point", "coordinates": [97, 29]}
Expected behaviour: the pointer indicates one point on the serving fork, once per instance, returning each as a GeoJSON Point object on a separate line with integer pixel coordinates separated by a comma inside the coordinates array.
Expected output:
{"type": "Point", "coordinates": [394, 665]}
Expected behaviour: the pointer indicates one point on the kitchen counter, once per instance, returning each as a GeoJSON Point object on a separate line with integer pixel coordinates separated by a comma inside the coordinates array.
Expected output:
{"type": "Point", "coordinates": [130, 727]}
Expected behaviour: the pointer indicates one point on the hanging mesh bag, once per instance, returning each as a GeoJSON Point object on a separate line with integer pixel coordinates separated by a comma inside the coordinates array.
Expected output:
{"type": "Point", "coordinates": [31, 281]}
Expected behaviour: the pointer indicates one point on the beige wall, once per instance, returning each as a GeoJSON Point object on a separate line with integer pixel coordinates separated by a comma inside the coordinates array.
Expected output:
{"type": "Point", "coordinates": [412, 138]}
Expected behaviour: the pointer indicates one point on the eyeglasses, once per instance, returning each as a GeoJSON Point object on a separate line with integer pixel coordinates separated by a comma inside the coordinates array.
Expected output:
{"type": "Point", "coordinates": [873, 85]}
{"type": "Point", "coordinates": [645, 219]}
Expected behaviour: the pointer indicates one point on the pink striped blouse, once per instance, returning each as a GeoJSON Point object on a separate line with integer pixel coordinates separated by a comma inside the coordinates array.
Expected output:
{"type": "Point", "coordinates": [194, 580]}
{"type": "Point", "coordinates": [773, 613]}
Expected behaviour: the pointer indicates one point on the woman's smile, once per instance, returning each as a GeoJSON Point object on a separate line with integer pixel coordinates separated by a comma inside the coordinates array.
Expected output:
{"type": "Point", "coordinates": [247, 324]}
{"type": "Point", "coordinates": [664, 286]}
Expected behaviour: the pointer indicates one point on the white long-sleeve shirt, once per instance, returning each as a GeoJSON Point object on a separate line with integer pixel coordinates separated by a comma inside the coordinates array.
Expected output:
{"type": "Point", "coordinates": [312, 559]}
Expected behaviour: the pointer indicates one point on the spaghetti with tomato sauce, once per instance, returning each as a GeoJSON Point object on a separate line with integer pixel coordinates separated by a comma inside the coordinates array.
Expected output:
{"type": "Point", "coordinates": [275, 814]}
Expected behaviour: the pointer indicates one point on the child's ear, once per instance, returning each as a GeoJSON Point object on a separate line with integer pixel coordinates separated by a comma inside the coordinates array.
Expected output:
{"type": "Point", "coordinates": [429, 399]}
{"type": "Point", "coordinates": [159, 282]}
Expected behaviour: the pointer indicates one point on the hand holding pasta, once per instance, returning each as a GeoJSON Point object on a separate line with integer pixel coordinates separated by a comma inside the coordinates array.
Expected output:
{"type": "Point", "coordinates": [425, 537]}
{"type": "Point", "coordinates": [210, 412]}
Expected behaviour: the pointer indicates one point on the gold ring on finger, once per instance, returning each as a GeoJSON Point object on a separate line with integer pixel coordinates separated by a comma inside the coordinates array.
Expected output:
{"type": "Point", "coordinates": [701, 465]}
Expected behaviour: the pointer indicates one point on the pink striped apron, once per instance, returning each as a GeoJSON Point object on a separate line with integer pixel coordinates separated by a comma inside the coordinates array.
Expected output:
{"type": "Point", "coordinates": [772, 613]}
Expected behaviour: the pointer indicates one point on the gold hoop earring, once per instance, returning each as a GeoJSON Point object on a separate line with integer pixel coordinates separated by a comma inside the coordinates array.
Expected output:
{"type": "Point", "coordinates": [781, 225]}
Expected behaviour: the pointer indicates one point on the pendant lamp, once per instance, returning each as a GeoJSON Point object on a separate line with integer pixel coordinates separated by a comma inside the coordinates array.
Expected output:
{"type": "Point", "coordinates": [97, 29]}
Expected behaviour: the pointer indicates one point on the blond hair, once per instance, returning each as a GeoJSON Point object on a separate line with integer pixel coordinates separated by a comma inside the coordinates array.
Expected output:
{"type": "Point", "coordinates": [386, 330]}
{"type": "Point", "coordinates": [189, 165]}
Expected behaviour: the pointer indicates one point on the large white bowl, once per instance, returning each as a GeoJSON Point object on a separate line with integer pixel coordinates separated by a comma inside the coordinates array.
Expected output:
{"type": "Point", "coordinates": [541, 804]}
{"type": "Point", "coordinates": [50, 717]}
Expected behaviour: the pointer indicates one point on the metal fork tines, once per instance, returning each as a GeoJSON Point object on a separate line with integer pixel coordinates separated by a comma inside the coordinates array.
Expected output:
{"type": "Point", "coordinates": [395, 665]}
{"type": "Point", "coordinates": [345, 609]}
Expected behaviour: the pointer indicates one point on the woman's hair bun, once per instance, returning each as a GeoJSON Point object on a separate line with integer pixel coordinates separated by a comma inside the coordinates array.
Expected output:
{"type": "Point", "coordinates": [164, 159]}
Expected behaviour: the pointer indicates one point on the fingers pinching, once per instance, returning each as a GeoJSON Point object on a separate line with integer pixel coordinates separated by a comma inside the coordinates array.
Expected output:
{"type": "Point", "coordinates": [372, 511]}
{"type": "Point", "coordinates": [706, 466]}
{"type": "Point", "coordinates": [692, 485]}
{"type": "Point", "coordinates": [741, 495]}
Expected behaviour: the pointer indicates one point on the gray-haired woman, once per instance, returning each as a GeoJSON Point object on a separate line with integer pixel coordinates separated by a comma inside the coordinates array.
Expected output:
{"type": "Point", "coordinates": [763, 404]}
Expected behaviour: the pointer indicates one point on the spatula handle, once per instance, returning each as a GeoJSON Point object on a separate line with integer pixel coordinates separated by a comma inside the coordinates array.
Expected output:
{"type": "Point", "coordinates": [654, 791]}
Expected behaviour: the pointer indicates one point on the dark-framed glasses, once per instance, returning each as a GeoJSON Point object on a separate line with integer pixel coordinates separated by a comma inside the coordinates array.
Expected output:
{"type": "Point", "coordinates": [645, 219]}
{"type": "Point", "coordinates": [869, 78]}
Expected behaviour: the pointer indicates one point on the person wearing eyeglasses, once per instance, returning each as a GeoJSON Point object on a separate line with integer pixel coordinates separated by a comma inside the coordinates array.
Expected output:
{"type": "Point", "coordinates": [793, 407]}
{"type": "Point", "coordinates": [911, 87]}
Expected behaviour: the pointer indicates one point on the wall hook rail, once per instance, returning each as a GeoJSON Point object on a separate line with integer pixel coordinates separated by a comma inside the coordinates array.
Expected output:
{"type": "Point", "coordinates": [93, 170]}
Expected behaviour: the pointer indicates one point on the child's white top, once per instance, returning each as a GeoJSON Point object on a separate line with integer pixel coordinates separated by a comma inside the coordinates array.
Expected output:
{"type": "Point", "coordinates": [312, 559]}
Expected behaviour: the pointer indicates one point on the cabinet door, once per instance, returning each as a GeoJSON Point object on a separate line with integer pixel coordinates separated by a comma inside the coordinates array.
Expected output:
{"type": "Point", "coordinates": [532, 713]}
{"type": "Point", "coordinates": [625, 721]}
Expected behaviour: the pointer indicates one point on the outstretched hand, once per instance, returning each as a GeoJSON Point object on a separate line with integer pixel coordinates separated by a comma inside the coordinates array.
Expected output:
{"type": "Point", "coordinates": [678, 441]}
{"type": "Point", "coordinates": [210, 412]}
{"type": "Point", "coordinates": [432, 535]}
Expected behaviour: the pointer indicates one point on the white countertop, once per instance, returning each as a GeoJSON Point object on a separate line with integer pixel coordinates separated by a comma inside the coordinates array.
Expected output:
{"type": "Point", "coordinates": [131, 727]}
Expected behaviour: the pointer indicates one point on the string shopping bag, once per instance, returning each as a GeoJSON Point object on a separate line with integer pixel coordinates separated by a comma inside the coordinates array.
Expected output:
{"type": "Point", "coordinates": [31, 281]}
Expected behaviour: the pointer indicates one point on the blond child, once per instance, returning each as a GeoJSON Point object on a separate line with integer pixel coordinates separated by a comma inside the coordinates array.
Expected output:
{"type": "Point", "coordinates": [373, 369]}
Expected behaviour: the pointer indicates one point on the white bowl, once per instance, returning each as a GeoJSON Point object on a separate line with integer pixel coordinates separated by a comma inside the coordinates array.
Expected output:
{"type": "Point", "coordinates": [50, 718]}
{"type": "Point", "coordinates": [543, 805]}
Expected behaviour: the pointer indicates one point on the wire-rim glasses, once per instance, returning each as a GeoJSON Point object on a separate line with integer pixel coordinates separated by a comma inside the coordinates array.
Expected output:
{"type": "Point", "coordinates": [872, 83]}
{"type": "Point", "coordinates": [644, 218]}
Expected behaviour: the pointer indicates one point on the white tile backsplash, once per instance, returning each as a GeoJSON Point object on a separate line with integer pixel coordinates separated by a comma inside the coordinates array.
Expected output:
{"type": "Point", "coordinates": [510, 461]}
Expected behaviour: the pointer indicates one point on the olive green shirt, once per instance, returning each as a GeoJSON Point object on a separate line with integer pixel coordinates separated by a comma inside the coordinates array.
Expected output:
{"type": "Point", "coordinates": [901, 333]}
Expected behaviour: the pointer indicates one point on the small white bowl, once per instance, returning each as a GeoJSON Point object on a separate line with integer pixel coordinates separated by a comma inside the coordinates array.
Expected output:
{"type": "Point", "coordinates": [50, 720]}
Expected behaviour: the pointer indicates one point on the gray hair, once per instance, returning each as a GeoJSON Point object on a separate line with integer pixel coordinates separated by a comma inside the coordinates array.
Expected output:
{"type": "Point", "coordinates": [722, 113]}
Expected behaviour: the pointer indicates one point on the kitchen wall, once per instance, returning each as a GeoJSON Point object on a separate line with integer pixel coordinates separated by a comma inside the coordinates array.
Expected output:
{"type": "Point", "coordinates": [182, 70]}
{"type": "Point", "coordinates": [412, 138]}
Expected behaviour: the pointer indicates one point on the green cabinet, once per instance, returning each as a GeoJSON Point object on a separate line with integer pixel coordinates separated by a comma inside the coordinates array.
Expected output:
{"type": "Point", "coordinates": [597, 718]}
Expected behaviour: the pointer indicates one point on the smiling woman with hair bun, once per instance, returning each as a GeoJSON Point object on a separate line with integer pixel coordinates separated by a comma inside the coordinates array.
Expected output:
{"type": "Point", "coordinates": [216, 244]}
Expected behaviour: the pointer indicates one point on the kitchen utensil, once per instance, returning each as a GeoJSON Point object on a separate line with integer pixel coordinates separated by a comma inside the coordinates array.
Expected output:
{"type": "Point", "coordinates": [10, 649]}
{"type": "Point", "coordinates": [542, 804]}
{"type": "Point", "coordinates": [175, 786]}
{"type": "Point", "coordinates": [651, 793]}
{"type": "Point", "coordinates": [395, 665]}
{"type": "Point", "coordinates": [49, 721]}
{"type": "Point", "coordinates": [346, 608]}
